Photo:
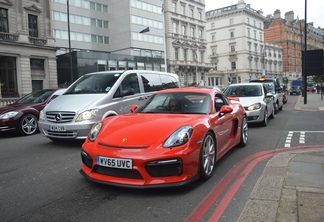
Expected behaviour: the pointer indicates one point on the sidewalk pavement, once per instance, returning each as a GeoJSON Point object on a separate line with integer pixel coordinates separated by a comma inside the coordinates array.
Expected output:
{"type": "Point", "coordinates": [291, 187]}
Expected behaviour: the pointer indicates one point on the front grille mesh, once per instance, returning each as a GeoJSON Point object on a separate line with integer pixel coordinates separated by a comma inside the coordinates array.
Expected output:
{"type": "Point", "coordinates": [60, 117]}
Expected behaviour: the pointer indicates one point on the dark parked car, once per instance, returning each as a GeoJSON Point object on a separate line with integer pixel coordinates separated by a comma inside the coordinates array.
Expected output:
{"type": "Point", "coordinates": [295, 90]}
{"type": "Point", "coordinates": [22, 116]}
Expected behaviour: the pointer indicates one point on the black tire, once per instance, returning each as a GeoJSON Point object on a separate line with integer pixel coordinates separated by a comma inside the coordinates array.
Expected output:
{"type": "Point", "coordinates": [272, 115]}
{"type": "Point", "coordinates": [265, 119]}
{"type": "Point", "coordinates": [276, 108]}
{"type": "Point", "coordinates": [28, 125]}
{"type": "Point", "coordinates": [244, 132]}
{"type": "Point", "coordinates": [207, 156]}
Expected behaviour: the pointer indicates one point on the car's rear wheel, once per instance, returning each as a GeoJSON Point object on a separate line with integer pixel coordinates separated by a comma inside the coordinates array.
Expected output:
{"type": "Point", "coordinates": [244, 132]}
{"type": "Point", "coordinates": [28, 125]}
{"type": "Point", "coordinates": [207, 156]}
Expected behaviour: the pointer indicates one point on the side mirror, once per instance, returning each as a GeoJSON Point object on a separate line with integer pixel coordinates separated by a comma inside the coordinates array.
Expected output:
{"type": "Point", "coordinates": [225, 109]}
{"type": "Point", "coordinates": [133, 108]}
{"type": "Point", "coordinates": [269, 95]}
{"type": "Point", "coordinates": [128, 92]}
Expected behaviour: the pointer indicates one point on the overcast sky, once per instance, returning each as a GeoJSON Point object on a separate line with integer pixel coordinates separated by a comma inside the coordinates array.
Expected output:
{"type": "Point", "coordinates": [315, 8]}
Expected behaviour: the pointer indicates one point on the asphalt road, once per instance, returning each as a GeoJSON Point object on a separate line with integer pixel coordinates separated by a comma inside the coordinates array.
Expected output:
{"type": "Point", "coordinates": [40, 180]}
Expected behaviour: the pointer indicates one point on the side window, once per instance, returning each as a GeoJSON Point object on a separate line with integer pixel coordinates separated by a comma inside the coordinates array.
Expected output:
{"type": "Point", "coordinates": [219, 102]}
{"type": "Point", "coordinates": [131, 82]}
{"type": "Point", "coordinates": [169, 82]}
{"type": "Point", "coordinates": [265, 89]}
{"type": "Point", "coordinates": [151, 82]}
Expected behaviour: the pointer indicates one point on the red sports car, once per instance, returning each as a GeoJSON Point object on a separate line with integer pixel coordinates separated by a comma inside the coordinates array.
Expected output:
{"type": "Point", "coordinates": [173, 139]}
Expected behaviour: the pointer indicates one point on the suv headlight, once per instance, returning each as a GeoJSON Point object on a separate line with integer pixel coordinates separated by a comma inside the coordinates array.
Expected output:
{"type": "Point", "coordinates": [8, 115]}
{"type": "Point", "coordinates": [86, 115]}
{"type": "Point", "coordinates": [178, 137]}
{"type": "Point", "coordinates": [254, 106]}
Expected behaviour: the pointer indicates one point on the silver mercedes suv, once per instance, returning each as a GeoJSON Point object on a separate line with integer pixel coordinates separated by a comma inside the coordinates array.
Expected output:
{"type": "Point", "coordinates": [96, 96]}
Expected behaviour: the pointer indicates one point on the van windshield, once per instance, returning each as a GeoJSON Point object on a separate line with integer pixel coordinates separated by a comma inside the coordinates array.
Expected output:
{"type": "Point", "coordinates": [94, 83]}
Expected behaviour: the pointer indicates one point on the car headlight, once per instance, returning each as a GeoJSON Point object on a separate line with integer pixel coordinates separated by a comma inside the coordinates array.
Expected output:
{"type": "Point", "coordinates": [178, 137]}
{"type": "Point", "coordinates": [8, 115]}
{"type": "Point", "coordinates": [92, 136]}
{"type": "Point", "coordinates": [254, 106]}
{"type": "Point", "coordinates": [86, 115]}
{"type": "Point", "coordinates": [42, 115]}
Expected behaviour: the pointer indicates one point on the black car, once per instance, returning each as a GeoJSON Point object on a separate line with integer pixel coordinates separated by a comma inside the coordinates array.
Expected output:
{"type": "Point", "coordinates": [295, 90]}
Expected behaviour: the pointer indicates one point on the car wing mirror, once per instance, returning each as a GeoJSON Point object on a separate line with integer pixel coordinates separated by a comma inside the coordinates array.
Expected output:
{"type": "Point", "coordinates": [133, 108]}
{"type": "Point", "coordinates": [225, 109]}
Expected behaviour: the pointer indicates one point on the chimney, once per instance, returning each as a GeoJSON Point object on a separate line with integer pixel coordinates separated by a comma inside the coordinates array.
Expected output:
{"type": "Point", "coordinates": [277, 14]}
{"type": "Point", "coordinates": [289, 16]}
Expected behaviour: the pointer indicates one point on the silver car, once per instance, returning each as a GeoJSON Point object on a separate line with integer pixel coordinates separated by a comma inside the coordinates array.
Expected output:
{"type": "Point", "coordinates": [256, 100]}
{"type": "Point", "coordinates": [96, 96]}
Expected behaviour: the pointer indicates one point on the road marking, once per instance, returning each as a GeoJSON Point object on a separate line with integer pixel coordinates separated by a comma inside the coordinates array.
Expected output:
{"type": "Point", "coordinates": [302, 135]}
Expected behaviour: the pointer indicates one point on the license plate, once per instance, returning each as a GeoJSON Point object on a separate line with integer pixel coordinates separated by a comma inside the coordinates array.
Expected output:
{"type": "Point", "coordinates": [115, 162]}
{"type": "Point", "coordinates": [57, 128]}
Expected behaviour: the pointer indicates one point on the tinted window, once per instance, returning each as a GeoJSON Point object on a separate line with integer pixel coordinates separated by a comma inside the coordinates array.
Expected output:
{"type": "Point", "coordinates": [169, 82]}
{"type": "Point", "coordinates": [151, 82]}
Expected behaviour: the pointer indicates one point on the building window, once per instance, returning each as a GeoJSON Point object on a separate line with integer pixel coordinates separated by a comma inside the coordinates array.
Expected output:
{"type": "Point", "coordinates": [194, 53]}
{"type": "Point", "coordinates": [183, 10]}
{"type": "Point", "coordinates": [254, 34]}
{"type": "Point", "coordinates": [192, 31]}
{"type": "Point", "coordinates": [37, 64]}
{"type": "Point", "coordinates": [184, 31]}
{"type": "Point", "coordinates": [4, 20]}
{"type": "Point", "coordinates": [232, 48]}
{"type": "Point", "coordinates": [249, 33]}
{"type": "Point", "coordinates": [200, 33]}
{"type": "Point", "coordinates": [176, 53]}
{"type": "Point", "coordinates": [212, 25]}
{"type": "Point", "coordinates": [199, 15]}
{"type": "Point", "coordinates": [233, 65]}
{"type": "Point", "coordinates": [201, 56]}
{"type": "Point", "coordinates": [249, 46]}
{"type": "Point", "coordinates": [260, 36]}
{"type": "Point", "coordinates": [231, 21]}
{"type": "Point", "coordinates": [213, 38]}
{"type": "Point", "coordinates": [248, 21]}
{"type": "Point", "coordinates": [175, 28]}
{"type": "Point", "coordinates": [174, 7]}
{"type": "Point", "coordinates": [191, 13]}
{"type": "Point", "coordinates": [214, 51]}
{"type": "Point", "coordinates": [185, 54]}
{"type": "Point", "coordinates": [32, 26]}
{"type": "Point", "coordinates": [232, 34]}
{"type": "Point", "coordinates": [137, 52]}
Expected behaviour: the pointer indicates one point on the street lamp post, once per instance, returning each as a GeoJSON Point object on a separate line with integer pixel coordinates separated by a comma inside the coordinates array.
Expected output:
{"type": "Point", "coordinates": [69, 36]}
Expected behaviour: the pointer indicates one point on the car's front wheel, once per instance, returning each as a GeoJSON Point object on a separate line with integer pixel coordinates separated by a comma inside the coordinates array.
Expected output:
{"type": "Point", "coordinates": [207, 156]}
{"type": "Point", "coordinates": [28, 125]}
{"type": "Point", "coordinates": [265, 118]}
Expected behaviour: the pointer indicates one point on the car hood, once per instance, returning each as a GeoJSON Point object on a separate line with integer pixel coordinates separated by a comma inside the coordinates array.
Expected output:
{"type": "Point", "coordinates": [246, 101]}
{"type": "Point", "coordinates": [17, 107]}
{"type": "Point", "coordinates": [141, 130]}
{"type": "Point", "coordinates": [73, 102]}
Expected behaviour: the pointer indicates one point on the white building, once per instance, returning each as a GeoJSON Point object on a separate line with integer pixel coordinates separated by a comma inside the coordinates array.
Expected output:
{"type": "Point", "coordinates": [186, 41]}
{"type": "Point", "coordinates": [235, 36]}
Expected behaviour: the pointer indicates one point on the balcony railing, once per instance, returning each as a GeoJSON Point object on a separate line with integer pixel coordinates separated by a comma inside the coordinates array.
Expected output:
{"type": "Point", "coordinates": [8, 37]}
{"type": "Point", "coordinates": [37, 41]}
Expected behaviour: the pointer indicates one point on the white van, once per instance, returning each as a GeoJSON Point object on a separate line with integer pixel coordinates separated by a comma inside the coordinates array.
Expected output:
{"type": "Point", "coordinates": [96, 96]}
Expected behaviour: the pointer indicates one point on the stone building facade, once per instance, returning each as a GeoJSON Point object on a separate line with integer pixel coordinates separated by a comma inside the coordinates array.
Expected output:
{"type": "Point", "coordinates": [27, 55]}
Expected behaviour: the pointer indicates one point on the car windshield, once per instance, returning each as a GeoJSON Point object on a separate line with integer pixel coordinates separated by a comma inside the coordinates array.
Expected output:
{"type": "Point", "coordinates": [180, 102]}
{"type": "Point", "coordinates": [95, 83]}
{"type": "Point", "coordinates": [243, 90]}
{"type": "Point", "coordinates": [36, 97]}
